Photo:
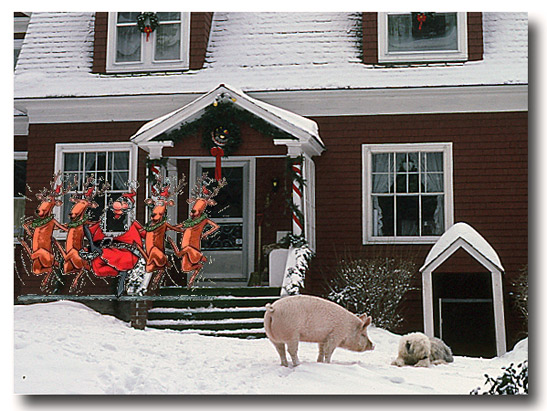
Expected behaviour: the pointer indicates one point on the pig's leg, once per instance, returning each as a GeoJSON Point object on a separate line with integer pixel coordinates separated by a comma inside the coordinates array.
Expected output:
{"type": "Point", "coordinates": [292, 348]}
{"type": "Point", "coordinates": [330, 346]}
{"type": "Point", "coordinates": [321, 357]}
{"type": "Point", "coordinates": [280, 347]}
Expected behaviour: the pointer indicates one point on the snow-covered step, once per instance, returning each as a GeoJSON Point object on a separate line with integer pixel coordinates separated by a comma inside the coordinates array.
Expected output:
{"type": "Point", "coordinates": [205, 313]}
{"type": "Point", "coordinates": [227, 311]}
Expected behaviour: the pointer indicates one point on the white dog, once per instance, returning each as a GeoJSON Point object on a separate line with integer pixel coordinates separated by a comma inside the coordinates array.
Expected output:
{"type": "Point", "coordinates": [419, 350]}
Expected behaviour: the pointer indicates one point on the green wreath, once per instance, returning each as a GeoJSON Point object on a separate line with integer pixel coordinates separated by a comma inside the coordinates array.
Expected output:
{"type": "Point", "coordinates": [151, 18]}
{"type": "Point", "coordinates": [223, 116]}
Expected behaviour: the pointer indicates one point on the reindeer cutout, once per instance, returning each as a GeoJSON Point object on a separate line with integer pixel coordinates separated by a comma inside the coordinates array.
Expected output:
{"type": "Point", "coordinates": [41, 229]}
{"type": "Point", "coordinates": [190, 251]}
{"type": "Point", "coordinates": [74, 263]}
{"type": "Point", "coordinates": [154, 231]}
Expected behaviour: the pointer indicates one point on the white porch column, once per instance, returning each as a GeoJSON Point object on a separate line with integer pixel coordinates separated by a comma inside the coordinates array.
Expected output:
{"type": "Point", "coordinates": [499, 317]}
{"type": "Point", "coordinates": [427, 301]}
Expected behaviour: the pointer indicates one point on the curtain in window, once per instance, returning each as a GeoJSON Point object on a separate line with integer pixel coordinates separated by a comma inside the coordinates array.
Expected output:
{"type": "Point", "coordinates": [382, 181]}
{"type": "Point", "coordinates": [168, 42]}
{"type": "Point", "coordinates": [128, 44]}
{"type": "Point", "coordinates": [433, 181]}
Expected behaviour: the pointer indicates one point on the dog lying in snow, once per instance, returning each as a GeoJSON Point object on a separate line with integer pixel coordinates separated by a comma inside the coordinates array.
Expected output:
{"type": "Point", "coordinates": [419, 350]}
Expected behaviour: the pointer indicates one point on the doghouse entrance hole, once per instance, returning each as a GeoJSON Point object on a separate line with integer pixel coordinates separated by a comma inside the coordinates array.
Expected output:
{"type": "Point", "coordinates": [467, 326]}
{"type": "Point", "coordinates": [464, 313]}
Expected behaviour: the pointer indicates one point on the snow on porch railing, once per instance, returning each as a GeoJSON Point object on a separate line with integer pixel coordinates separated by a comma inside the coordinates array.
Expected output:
{"type": "Point", "coordinates": [297, 263]}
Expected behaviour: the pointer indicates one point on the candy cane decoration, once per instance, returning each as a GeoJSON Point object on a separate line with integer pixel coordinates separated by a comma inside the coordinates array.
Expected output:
{"type": "Point", "coordinates": [297, 200]}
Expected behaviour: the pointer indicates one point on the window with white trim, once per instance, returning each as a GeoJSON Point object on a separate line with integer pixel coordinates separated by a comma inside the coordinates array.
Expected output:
{"type": "Point", "coordinates": [422, 37]}
{"type": "Point", "coordinates": [114, 163]}
{"type": "Point", "coordinates": [131, 50]}
{"type": "Point", "coordinates": [407, 192]}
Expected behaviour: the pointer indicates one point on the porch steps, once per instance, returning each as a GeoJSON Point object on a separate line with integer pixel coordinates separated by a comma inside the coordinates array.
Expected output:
{"type": "Point", "coordinates": [221, 311]}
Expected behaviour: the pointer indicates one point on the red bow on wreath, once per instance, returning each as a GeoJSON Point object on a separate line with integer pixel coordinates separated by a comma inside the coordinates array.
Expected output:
{"type": "Point", "coordinates": [421, 18]}
{"type": "Point", "coordinates": [218, 153]}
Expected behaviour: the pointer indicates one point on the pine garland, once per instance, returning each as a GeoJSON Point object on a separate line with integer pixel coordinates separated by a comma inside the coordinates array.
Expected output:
{"type": "Point", "coordinates": [78, 223]}
{"type": "Point", "coordinates": [227, 116]}
{"type": "Point", "coordinates": [39, 222]}
{"type": "Point", "coordinates": [193, 222]}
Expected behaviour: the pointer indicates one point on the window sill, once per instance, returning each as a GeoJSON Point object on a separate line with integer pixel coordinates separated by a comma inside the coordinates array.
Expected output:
{"type": "Point", "coordinates": [401, 240]}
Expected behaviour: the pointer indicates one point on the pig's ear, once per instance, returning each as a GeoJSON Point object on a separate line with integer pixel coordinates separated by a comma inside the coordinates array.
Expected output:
{"type": "Point", "coordinates": [366, 320]}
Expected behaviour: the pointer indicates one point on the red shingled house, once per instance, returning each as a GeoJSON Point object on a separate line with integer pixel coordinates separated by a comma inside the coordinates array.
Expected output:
{"type": "Point", "coordinates": [406, 127]}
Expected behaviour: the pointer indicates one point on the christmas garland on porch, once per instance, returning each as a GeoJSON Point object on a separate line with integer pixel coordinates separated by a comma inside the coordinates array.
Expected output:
{"type": "Point", "coordinates": [220, 121]}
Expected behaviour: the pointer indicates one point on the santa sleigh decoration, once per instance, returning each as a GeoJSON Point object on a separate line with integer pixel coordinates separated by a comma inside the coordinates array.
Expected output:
{"type": "Point", "coordinates": [136, 255]}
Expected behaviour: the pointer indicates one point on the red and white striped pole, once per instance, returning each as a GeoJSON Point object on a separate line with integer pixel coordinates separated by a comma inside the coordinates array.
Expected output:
{"type": "Point", "coordinates": [297, 224]}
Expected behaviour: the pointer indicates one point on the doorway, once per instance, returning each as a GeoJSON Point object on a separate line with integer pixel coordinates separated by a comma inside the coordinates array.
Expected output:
{"type": "Point", "coordinates": [230, 250]}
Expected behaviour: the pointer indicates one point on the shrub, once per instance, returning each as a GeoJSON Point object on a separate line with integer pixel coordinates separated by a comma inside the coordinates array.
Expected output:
{"type": "Point", "coordinates": [511, 382]}
{"type": "Point", "coordinates": [520, 293]}
{"type": "Point", "coordinates": [375, 286]}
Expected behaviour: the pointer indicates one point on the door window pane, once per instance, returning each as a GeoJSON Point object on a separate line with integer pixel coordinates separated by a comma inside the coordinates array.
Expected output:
{"type": "Point", "coordinates": [230, 198]}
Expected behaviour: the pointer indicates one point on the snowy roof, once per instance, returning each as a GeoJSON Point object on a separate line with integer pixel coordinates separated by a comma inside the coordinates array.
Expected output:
{"type": "Point", "coordinates": [261, 51]}
{"type": "Point", "coordinates": [462, 232]}
{"type": "Point", "coordinates": [296, 125]}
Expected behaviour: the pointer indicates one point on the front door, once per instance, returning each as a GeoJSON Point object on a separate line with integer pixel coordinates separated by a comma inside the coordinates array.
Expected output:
{"type": "Point", "coordinates": [229, 250]}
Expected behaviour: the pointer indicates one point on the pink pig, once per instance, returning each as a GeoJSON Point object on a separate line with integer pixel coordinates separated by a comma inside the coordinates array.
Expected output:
{"type": "Point", "coordinates": [313, 319]}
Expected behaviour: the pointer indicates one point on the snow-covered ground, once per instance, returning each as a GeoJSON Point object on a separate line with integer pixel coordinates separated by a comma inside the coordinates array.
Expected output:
{"type": "Point", "coordinates": [66, 348]}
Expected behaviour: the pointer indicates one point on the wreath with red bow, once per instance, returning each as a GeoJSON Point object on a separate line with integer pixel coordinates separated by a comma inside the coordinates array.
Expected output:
{"type": "Point", "coordinates": [147, 23]}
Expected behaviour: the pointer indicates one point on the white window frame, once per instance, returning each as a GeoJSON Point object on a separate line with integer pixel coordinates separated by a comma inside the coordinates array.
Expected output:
{"type": "Point", "coordinates": [147, 62]}
{"type": "Point", "coordinates": [384, 56]}
{"type": "Point", "coordinates": [367, 151]}
{"type": "Point", "coordinates": [63, 148]}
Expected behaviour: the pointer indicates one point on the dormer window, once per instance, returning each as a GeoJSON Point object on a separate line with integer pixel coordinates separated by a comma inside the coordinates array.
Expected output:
{"type": "Point", "coordinates": [422, 37]}
{"type": "Point", "coordinates": [143, 42]}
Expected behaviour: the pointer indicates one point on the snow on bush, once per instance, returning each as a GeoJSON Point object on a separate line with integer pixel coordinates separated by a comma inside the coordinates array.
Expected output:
{"type": "Point", "coordinates": [296, 274]}
{"type": "Point", "coordinates": [375, 286]}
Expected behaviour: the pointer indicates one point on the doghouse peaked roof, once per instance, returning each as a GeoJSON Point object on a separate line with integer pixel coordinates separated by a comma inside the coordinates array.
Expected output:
{"type": "Point", "coordinates": [462, 235]}
{"type": "Point", "coordinates": [303, 129]}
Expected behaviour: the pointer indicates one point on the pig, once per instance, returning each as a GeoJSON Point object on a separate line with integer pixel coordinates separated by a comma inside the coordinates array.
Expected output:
{"type": "Point", "coordinates": [307, 318]}
{"type": "Point", "coordinates": [419, 350]}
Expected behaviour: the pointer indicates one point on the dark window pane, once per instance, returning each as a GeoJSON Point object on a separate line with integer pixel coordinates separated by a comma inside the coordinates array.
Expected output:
{"type": "Point", "coordinates": [382, 216]}
{"type": "Point", "coordinates": [413, 183]}
{"type": "Point", "coordinates": [401, 183]}
{"type": "Point", "coordinates": [230, 198]}
{"type": "Point", "coordinates": [72, 162]}
{"type": "Point", "coordinates": [20, 178]}
{"type": "Point", "coordinates": [407, 215]}
{"type": "Point", "coordinates": [101, 161]}
{"type": "Point", "coordinates": [432, 215]}
{"type": "Point", "coordinates": [121, 160]}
